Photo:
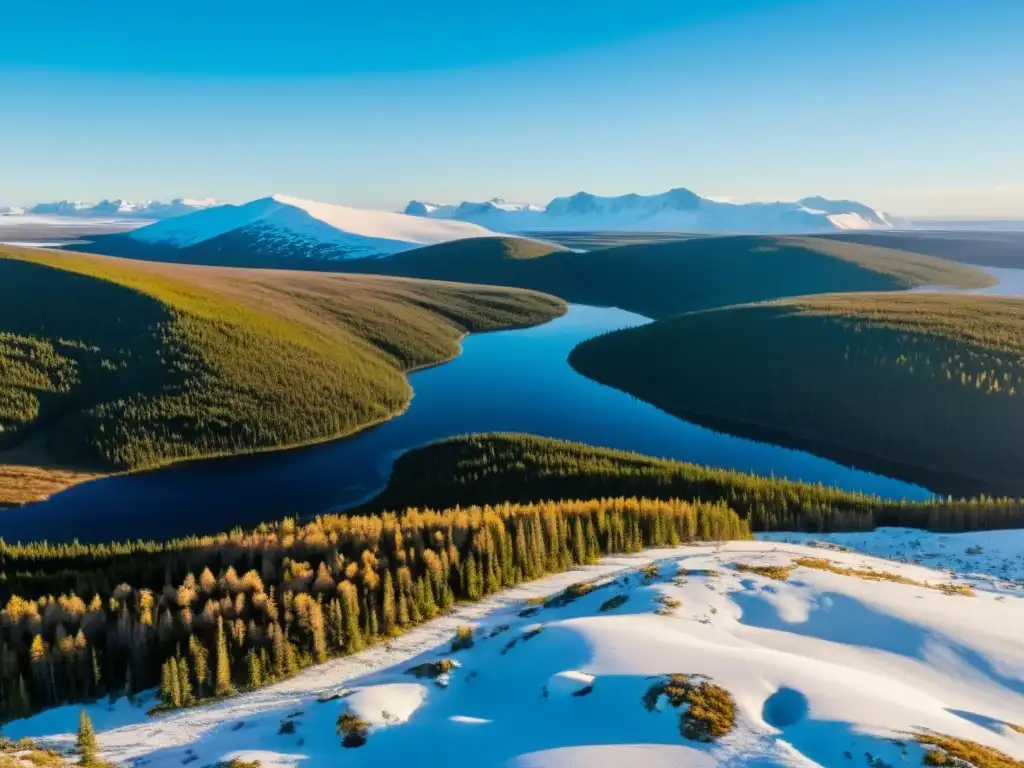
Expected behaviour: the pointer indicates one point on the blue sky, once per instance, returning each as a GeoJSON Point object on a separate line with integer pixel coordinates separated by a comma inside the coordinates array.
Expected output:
{"type": "Point", "coordinates": [915, 106]}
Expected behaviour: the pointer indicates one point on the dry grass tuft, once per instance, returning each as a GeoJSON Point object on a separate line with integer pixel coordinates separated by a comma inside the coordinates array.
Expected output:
{"type": "Point", "coordinates": [863, 573]}
{"type": "Point", "coordinates": [960, 753]}
{"type": "Point", "coordinates": [777, 572]}
{"type": "Point", "coordinates": [668, 605]}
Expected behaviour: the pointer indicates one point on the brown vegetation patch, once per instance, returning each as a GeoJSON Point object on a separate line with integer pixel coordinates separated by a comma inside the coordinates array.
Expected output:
{"type": "Point", "coordinates": [710, 712]}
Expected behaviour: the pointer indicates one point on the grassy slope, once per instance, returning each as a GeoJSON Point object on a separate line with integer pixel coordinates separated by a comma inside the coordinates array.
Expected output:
{"type": "Point", "coordinates": [108, 364]}
{"type": "Point", "coordinates": [663, 279]}
{"type": "Point", "coordinates": [491, 468]}
{"type": "Point", "coordinates": [925, 386]}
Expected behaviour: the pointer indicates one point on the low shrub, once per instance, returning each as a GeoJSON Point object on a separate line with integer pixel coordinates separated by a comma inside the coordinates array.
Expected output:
{"type": "Point", "coordinates": [463, 639]}
{"type": "Point", "coordinates": [431, 669]}
{"type": "Point", "coordinates": [353, 730]}
{"type": "Point", "coordinates": [710, 709]}
{"type": "Point", "coordinates": [613, 602]}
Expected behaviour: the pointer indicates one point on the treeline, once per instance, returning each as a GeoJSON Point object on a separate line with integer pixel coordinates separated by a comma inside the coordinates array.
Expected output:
{"type": "Point", "coordinates": [205, 617]}
{"type": "Point", "coordinates": [481, 469]}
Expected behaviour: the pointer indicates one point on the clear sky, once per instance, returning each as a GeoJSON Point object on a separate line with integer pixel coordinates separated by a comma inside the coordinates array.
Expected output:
{"type": "Point", "coordinates": [913, 106]}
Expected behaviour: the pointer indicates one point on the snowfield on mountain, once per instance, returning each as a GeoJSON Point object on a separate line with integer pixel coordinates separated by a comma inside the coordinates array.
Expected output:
{"type": "Point", "coordinates": [745, 654]}
{"type": "Point", "coordinates": [288, 225]}
{"type": "Point", "coordinates": [677, 210]}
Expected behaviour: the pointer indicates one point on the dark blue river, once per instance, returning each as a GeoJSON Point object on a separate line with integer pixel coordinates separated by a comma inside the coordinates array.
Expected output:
{"type": "Point", "coordinates": [515, 381]}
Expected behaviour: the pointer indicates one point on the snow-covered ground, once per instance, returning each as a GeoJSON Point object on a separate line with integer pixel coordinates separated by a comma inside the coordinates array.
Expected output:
{"type": "Point", "coordinates": [826, 669]}
{"type": "Point", "coordinates": [988, 560]}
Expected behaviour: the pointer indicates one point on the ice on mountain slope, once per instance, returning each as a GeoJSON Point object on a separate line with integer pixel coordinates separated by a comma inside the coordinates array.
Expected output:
{"type": "Point", "coordinates": [675, 210]}
{"type": "Point", "coordinates": [283, 222]}
{"type": "Point", "coordinates": [825, 670]}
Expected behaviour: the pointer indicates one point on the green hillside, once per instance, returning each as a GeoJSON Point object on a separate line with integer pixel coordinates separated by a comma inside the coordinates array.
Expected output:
{"type": "Point", "coordinates": [668, 278]}
{"type": "Point", "coordinates": [108, 364]}
{"type": "Point", "coordinates": [929, 387]}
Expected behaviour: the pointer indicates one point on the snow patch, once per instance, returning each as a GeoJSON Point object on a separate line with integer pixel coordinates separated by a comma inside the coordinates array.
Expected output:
{"type": "Point", "coordinates": [384, 705]}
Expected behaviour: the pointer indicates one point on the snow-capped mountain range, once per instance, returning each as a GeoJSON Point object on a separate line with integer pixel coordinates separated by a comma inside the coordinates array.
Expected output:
{"type": "Point", "coordinates": [148, 210]}
{"type": "Point", "coordinates": [675, 210]}
{"type": "Point", "coordinates": [287, 227]}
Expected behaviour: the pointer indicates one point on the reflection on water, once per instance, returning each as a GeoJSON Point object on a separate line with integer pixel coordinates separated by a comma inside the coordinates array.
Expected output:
{"type": "Point", "coordinates": [517, 381]}
{"type": "Point", "coordinates": [1011, 283]}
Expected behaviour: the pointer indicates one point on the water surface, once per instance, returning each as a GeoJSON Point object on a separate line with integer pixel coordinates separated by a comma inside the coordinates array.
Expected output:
{"type": "Point", "coordinates": [517, 381]}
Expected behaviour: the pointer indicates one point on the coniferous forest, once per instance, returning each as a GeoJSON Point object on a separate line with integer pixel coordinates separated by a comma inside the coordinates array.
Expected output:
{"type": "Point", "coordinates": [492, 468]}
{"type": "Point", "coordinates": [207, 617]}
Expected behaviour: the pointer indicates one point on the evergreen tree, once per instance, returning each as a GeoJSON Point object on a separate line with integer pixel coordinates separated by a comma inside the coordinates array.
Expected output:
{"type": "Point", "coordinates": [350, 617]}
{"type": "Point", "coordinates": [389, 618]}
{"type": "Point", "coordinates": [222, 681]}
{"type": "Point", "coordinates": [85, 743]}
{"type": "Point", "coordinates": [200, 664]}
{"type": "Point", "coordinates": [184, 684]}
{"type": "Point", "coordinates": [255, 670]}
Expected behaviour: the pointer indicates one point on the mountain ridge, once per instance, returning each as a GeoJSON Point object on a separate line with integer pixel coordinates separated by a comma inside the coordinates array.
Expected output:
{"type": "Point", "coordinates": [112, 208]}
{"type": "Point", "coordinates": [678, 209]}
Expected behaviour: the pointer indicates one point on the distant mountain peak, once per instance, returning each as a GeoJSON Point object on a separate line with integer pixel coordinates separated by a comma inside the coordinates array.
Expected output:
{"type": "Point", "coordinates": [283, 226]}
{"type": "Point", "coordinates": [679, 209]}
{"type": "Point", "coordinates": [119, 208]}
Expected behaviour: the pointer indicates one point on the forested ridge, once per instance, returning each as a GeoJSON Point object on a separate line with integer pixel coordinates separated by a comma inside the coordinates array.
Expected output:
{"type": "Point", "coordinates": [483, 468]}
{"type": "Point", "coordinates": [110, 365]}
{"type": "Point", "coordinates": [667, 278]}
{"type": "Point", "coordinates": [206, 617]}
{"type": "Point", "coordinates": [927, 387]}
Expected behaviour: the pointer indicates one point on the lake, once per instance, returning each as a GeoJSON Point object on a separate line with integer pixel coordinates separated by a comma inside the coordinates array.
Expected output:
{"type": "Point", "coordinates": [515, 381]}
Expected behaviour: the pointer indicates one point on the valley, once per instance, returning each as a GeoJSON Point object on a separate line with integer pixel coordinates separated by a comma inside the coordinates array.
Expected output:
{"type": "Point", "coordinates": [111, 365]}
{"type": "Point", "coordinates": [523, 385]}
{"type": "Point", "coordinates": [659, 279]}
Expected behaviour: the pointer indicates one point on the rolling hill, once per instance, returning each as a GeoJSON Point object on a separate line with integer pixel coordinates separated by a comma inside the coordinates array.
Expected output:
{"type": "Point", "coordinates": [678, 210]}
{"type": "Point", "coordinates": [667, 278]}
{"type": "Point", "coordinates": [107, 364]}
{"type": "Point", "coordinates": [928, 387]}
{"type": "Point", "coordinates": [1000, 249]}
